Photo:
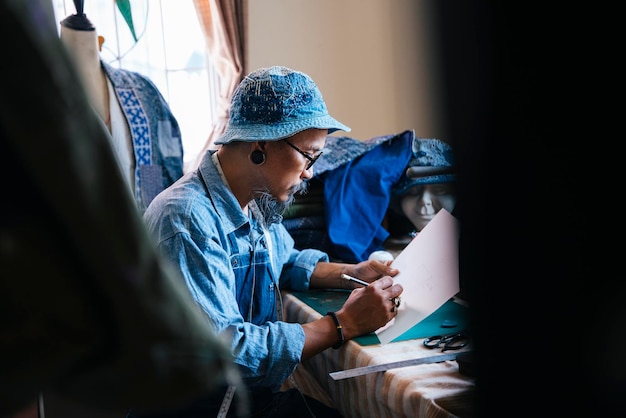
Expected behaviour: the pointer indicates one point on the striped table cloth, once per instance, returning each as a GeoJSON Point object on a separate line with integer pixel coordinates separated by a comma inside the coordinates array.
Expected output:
{"type": "Point", "coordinates": [430, 390]}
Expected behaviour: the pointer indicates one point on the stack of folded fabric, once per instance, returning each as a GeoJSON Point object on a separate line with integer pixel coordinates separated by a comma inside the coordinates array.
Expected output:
{"type": "Point", "coordinates": [306, 221]}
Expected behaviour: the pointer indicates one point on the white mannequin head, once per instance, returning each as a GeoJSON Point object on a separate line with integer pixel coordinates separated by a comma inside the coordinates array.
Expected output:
{"type": "Point", "coordinates": [428, 185]}
{"type": "Point", "coordinates": [421, 202]}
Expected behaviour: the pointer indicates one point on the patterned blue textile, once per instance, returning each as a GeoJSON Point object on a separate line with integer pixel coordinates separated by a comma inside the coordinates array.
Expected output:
{"type": "Point", "coordinates": [156, 137]}
{"type": "Point", "coordinates": [342, 149]}
{"type": "Point", "coordinates": [275, 103]}
{"type": "Point", "coordinates": [427, 152]}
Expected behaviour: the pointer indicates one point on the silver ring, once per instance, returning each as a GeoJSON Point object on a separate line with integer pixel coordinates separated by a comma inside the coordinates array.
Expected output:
{"type": "Point", "coordinates": [396, 303]}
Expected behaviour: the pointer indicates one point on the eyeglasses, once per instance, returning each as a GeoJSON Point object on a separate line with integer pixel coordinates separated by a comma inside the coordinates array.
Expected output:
{"type": "Point", "coordinates": [305, 155]}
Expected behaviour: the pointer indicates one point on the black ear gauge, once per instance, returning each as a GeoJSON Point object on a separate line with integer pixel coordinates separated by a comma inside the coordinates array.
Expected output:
{"type": "Point", "coordinates": [257, 157]}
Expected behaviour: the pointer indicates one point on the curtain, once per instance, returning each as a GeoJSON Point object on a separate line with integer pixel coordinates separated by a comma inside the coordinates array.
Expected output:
{"type": "Point", "coordinates": [225, 27]}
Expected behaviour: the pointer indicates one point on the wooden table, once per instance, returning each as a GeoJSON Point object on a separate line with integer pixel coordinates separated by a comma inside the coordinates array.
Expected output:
{"type": "Point", "coordinates": [436, 390]}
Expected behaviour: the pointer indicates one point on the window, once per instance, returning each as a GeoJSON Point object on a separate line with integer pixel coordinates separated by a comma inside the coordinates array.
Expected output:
{"type": "Point", "coordinates": [170, 50]}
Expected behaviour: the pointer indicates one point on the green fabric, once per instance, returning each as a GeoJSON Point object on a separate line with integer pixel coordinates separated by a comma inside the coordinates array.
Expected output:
{"type": "Point", "coordinates": [332, 300]}
{"type": "Point", "coordinates": [303, 210]}
{"type": "Point", "coordinates": [90, 312]}
{"type": "Point", "coordinates": [124, 8]}
{"type": "Point", "coordinates": [309, 204]}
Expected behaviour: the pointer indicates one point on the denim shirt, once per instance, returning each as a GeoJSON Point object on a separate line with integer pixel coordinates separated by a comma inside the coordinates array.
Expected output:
{"type": "Point", "coordinates": [200, 227]}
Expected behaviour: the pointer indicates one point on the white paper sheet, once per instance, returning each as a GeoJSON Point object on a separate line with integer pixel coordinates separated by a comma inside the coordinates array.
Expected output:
{"type": "Point", "coordinates": [429, 274]}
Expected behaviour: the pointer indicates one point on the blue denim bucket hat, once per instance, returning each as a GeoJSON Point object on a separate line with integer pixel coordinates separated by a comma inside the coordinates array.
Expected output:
{"type": "Point", "coordinates": [275, 103]}
{"type": "Point", "coordinates": [432, 163]}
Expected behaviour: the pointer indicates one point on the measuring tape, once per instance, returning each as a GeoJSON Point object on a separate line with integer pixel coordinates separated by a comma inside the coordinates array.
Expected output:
{"type": "Point", "coordinates": [228, 399]}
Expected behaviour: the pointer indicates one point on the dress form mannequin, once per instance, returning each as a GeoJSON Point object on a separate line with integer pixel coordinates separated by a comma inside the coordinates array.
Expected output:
{"type": "Point", "coordinates": [80, 38]}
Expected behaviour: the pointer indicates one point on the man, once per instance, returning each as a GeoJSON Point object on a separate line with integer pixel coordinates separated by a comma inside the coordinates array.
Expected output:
{"type": "Point", "coordinates": [221, 227]}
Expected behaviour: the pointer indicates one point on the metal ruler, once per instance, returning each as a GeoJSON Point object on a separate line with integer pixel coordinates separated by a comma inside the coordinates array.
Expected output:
{"type": "Point", "coordinates": [359, 371]}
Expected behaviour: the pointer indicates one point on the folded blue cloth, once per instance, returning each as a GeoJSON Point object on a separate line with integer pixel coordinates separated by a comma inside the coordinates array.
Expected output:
{"type": "Point", "coordinates": [358, 177]}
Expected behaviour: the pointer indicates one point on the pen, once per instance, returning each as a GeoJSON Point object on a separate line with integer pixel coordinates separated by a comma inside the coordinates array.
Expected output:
{"type": "Point", "coordinates": [354, 279]}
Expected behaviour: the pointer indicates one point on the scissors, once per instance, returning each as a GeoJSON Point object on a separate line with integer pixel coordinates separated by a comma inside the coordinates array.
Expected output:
{"type": "Point", "coordinates": [454, 341]}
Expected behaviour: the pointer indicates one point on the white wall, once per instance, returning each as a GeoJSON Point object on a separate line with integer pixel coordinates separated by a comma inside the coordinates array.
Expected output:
{"type": "Point", "coordinates": [372, 59]}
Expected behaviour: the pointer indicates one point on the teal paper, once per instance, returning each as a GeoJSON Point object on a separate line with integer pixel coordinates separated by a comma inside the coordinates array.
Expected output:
{"type": "Point", "coordinates": [332, 300]}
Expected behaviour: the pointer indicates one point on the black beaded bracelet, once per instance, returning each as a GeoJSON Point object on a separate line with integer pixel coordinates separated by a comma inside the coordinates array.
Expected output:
{"type": "Point", "coordinates": [339, 330]}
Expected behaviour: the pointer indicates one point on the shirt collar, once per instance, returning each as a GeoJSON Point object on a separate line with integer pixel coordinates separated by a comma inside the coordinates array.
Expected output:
{"type": "Point", "coordinates": [224, 201]}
